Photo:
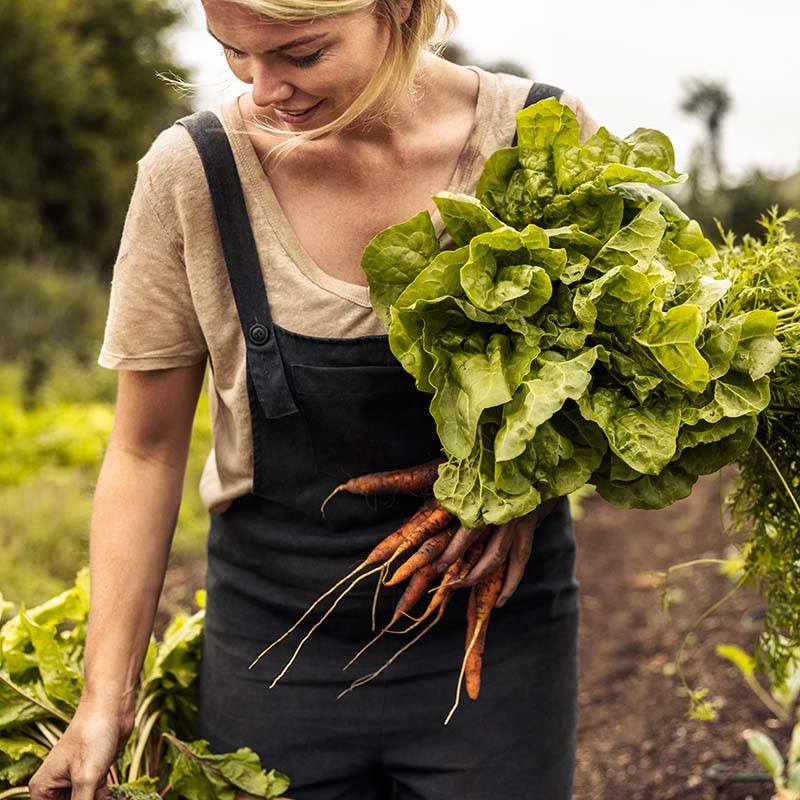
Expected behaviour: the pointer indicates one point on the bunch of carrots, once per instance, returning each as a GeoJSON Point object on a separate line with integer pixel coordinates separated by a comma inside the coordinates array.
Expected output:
{"type": "Point", "coordinates": [421, 539]}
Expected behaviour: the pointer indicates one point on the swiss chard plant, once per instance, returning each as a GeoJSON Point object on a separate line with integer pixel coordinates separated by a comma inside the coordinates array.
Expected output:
{"type": "Point", "coordinates": [41, 667]}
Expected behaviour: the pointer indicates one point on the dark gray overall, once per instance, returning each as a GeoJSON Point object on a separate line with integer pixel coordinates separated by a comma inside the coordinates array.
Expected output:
{"type": "Point", "coordinates": [324, 410]}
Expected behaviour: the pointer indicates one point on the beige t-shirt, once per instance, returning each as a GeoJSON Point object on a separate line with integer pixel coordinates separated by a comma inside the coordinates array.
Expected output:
{"type": "Point", "coordinates": [171, 301]}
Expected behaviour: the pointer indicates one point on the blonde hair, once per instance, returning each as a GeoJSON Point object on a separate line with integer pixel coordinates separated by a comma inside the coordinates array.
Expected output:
{"type": "Point", "coordinates": [427, 28]}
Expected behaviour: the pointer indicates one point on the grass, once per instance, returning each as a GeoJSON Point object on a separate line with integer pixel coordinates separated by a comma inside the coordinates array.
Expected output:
{"type": "Point", "coordinates": [50, 456]}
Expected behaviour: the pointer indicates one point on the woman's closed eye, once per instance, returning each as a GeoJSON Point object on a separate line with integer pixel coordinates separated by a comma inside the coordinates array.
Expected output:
{"type": "Point", "coordinates": [306, 61]}
{"type": "Point", "coordinates": [296, 61]}
{"type": "Point", "coordinates": [229, 52]}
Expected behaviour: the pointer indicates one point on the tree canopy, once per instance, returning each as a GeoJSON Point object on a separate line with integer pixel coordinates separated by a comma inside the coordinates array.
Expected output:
{"type": "Point", "coordinates": [80, 101]}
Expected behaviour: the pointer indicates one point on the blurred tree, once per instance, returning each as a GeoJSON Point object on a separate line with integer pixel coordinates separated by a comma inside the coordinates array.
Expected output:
{"type": "Point", "coordinates": [706, 196]}
{"type": "Point", "coordinates": [80, 101]}
{"type": "Point", "coordinates": [709, 101]}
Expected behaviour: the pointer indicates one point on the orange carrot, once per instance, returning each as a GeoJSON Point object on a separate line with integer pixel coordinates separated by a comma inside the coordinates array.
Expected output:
{"type": "Point", "coordinates": [481, 602]}
{"type": "Point", "coordinates": [411, 480]}
{"type": "Point", "coordinates": [415, 532]}
{"type": "Point", "coordinates": [430, 519]}
{"type": "Point", "coordinates": [486, 594]}
{"type": "Point", "coordinates": [384, 549]}
{"type": "Point", "coordinates": [414, 592]}
{"type": "Point", "coordinates": [459, 569]}
{"type": "Point", "coordinates": [441, 595]}
{"type": "Point", "coordinates": [429, 550]}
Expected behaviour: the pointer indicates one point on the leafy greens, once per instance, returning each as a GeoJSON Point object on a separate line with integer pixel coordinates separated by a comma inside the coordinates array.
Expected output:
{"type": "Point", "coordinates": [41, 660]}
{"type": "Point", "coordinates": [577, 333]}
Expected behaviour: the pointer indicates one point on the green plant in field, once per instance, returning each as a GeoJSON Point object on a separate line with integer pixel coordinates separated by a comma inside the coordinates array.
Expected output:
{"type": "Point", "coordinates": [49, 460]}
{"type": "Point", "coordinates": [781, 699]}
{"type": "Point", "coordinates": [41, 659]}
{"type": "Point", "coordinates": [765, 502]}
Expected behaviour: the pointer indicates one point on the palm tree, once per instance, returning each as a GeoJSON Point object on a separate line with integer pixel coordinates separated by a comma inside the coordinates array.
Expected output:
{"type": "Point", "coordinates": [709, 101]}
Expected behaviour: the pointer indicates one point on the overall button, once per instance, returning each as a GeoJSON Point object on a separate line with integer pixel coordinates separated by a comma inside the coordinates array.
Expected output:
{"type": "Point", "coordinates": [258, 334]}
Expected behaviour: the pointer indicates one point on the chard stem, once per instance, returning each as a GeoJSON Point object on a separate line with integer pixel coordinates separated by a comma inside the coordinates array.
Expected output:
{"type": "Point", "coordinates": [17, 791]}
{"type": "Point", "coordinates": [47, 733]}
{"type": "Point", "coordinates": [144, 708]}
{"type": "Point", "coordinates": [141, 744]}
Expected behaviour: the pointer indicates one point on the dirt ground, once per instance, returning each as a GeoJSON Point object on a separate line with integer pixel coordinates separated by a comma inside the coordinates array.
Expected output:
{"type": "Point", "coordinates": [634, 738]}
{"type": "Point", "coordinates": [635, 741]}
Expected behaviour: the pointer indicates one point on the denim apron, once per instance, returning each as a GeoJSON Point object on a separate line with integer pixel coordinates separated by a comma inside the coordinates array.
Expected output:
{"type": "Point", "coordinates": [324, 410]}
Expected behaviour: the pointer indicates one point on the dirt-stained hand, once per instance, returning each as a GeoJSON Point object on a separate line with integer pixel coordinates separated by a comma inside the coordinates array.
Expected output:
{"type": "Point", "coordinates": [511, 542]}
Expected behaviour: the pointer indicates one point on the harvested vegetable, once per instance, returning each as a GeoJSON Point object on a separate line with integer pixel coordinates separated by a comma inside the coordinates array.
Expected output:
{"type": "Point", "coordinates": [482, 598]}
{"type": "Point", "coordinates": [584, 331]}
{"type": "Point", "coordinates": [429, 521]}
{"type": "Point", "coordinates": [414, 480]}
{"type": "Point", "coordinates": [574, 336]}
{"type": "Point", "coordinates": [41, 657]}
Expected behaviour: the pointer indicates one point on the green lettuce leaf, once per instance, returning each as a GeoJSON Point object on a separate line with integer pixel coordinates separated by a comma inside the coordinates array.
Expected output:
{"type": "Point", "coordinates": [465, 216]}
{"type": "Point", "coordinates": [538, 398]}
{"type": "Point", "coordinates": [671, 340]}
{"type": "Point", "coordinates": [395, 257]}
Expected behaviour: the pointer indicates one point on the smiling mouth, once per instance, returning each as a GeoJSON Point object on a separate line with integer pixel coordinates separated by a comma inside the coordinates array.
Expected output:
{"type": "Point", "coordinates": [296, 113]}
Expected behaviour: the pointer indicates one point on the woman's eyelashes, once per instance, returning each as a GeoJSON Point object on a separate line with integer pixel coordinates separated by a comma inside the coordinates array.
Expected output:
{"type": "Point", "coordinates": [296, 61]}
{"type": "Point", "coordinates": [306, 61]}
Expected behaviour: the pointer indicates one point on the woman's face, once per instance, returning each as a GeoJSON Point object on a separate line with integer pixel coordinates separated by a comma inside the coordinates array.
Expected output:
{"type": "Point", "coordinates": [303, 74]}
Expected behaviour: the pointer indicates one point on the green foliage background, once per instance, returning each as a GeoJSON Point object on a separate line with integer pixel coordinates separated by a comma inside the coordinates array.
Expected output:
{"type": "Point", "coordinates": [56, 413]}
{"type": "Point", "coordinates": [81, 102]}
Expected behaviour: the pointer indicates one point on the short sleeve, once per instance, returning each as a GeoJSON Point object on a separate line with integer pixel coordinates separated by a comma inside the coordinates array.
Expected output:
{"type": "Point", "coordinates": [152, 322]}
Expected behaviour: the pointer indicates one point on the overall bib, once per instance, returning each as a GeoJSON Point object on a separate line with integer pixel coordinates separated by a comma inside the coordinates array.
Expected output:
{"type": "Point", "coordinates": [324, 410]}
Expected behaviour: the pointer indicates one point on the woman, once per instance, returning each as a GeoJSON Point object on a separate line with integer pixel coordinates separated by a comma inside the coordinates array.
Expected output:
{"type": "Point", "coordinates": [245, 252]}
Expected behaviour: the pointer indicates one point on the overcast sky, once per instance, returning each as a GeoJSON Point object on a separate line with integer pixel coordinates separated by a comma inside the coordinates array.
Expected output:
{"type": "Point", "coordinates": [627, 60]}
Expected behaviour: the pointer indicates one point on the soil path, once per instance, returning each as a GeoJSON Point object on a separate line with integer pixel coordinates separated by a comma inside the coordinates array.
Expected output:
{"type": "Point", "coordinates": [635, 741]}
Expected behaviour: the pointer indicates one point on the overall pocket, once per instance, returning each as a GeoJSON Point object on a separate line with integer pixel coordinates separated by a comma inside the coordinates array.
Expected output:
{"type": "Point", "coordinates": [365, 419]}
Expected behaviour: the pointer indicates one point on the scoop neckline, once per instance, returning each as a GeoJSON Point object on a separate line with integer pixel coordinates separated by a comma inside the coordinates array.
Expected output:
{"type": "Point", "coordinates": [263, 193]}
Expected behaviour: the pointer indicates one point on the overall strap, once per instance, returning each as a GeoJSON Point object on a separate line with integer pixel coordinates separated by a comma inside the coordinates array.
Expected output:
{"type": "Point", "coordinates": [539, 91]}
{"type": "Point", "coordinates": [264, 364]}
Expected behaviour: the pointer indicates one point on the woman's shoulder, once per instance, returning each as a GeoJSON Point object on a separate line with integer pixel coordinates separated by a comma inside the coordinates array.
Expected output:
{"type": "Point", "coordinates": [172, 178]}
{"type": "Point", "coordinates": [513, 92]}
{"type": "Point", "coordinates": [171, 160]}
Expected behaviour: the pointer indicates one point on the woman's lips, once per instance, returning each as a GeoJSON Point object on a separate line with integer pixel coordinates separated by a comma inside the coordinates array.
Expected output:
{"type": "Point", "coordinates": [284, 115]}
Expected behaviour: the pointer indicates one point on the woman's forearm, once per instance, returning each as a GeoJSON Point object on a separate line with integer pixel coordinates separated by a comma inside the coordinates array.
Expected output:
{"type": "Point", "coordinates": [133, 520]}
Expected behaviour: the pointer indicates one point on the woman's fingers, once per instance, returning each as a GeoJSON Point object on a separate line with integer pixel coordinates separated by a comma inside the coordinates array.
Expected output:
{"type": "Point", "coordinates": [459, 544]}
{"type": "Point", "coordinates": [497, 549]}
{"type": "Point", "coordinates": [518, 558]}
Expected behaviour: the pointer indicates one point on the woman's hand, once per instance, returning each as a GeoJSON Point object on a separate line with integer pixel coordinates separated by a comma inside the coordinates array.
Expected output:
{"type": "Point", "coordinates": [511, 542]}
{"type": "Point", "coordinates": [77, 767]}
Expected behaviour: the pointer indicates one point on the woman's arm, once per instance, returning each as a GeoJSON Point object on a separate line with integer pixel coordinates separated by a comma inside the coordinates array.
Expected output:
{"type": "Point", "coordinates": [133, 520]}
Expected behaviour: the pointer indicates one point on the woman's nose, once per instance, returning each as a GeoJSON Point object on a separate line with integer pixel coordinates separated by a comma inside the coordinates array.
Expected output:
{"type": "Point", "coordinates": [269, 86]}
